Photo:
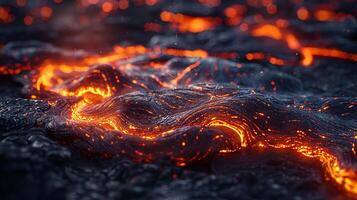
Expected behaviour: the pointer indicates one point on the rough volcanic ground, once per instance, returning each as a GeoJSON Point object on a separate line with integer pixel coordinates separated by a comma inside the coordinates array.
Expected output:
{"type": "Point", "coordinates": [251, 61]}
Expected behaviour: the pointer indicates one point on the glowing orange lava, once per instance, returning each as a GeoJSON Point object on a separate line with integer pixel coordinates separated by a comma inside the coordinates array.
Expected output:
{"type": "Point", "coordinates": [308, 53]}
{"type": "Point", "coordinates": [190, 24]}
{"type": "Point", "coordinates": [54, 77]}
{"type": "Point", "coordinates": [49, 80]}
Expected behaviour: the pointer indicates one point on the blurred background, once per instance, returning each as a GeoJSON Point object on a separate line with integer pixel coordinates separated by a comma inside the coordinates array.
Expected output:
{"type": "Point", "coordinates": [100, 23]}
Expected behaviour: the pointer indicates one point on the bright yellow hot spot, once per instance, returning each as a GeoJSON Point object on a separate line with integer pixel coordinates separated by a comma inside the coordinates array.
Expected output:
{"type": "Point", "coordinates": [235, 129]}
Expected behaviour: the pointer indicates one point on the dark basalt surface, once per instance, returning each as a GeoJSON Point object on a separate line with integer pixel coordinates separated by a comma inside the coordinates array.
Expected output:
{"type": "Point", "coordinates": [42, 157]}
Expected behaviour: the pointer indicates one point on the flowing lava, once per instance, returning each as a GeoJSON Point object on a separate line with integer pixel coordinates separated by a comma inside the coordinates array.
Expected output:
{"type": "Point", "coordinates": [101, 89]}
{"type": "Point", "coordinates": [137, 102]}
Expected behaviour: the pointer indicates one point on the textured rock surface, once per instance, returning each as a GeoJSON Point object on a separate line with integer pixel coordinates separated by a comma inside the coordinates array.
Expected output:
{"type": "Point", "coordinates": [44, 157]}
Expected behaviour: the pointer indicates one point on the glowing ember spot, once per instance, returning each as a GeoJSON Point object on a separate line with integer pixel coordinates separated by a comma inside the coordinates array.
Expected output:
{"type": "Point", "coordinates": [243, 27]}
{"type": "Point", "coordinates": [28, 20]}
{"type": "Point", "coordinates": [282, 23]}
{"type": "Point", "coordinates": [5, 16]}
{"type": "Point", "coordinates": [268, 30]}
{"type": "Point", "coordinates": [234, 13]}
{"type": "Point", "coordinates": [255, 56]}
{"type": "Point", "coordinates": [46, 12]}
{"type": "Point", "coordinates": [303, 13]}
{"type": "Point", "coordinates": [123, 4]}
{"type": "Point", "coordinates": [272, 9]}
{"type": "Point", "coordinates": [107, 7]}
{"type": "Point", "coordinates": [186, 23]}
{"type": "Point", "coordinates": [276, 61]}
{"type": "Point", "coordinates": [151, 2]}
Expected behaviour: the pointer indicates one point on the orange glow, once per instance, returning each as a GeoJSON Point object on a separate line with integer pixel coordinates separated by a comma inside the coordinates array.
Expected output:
{"type": "Point", "coordinates": [234, 10]}
{"type": "Point", "coordinates": [6, 71]}
{"type": "Point", "coordinates": [329, 15]}
{"type": "Point", "coordinates": [240, 131]}
{"type": "Point", "coordinates": [342, 176]}
{"type": "Point", "coordinates": [272, 9]}
{"type": "Point", "coordinates": [255, 56]}
{"type": "Point", "coordinates": [51, 75]}
{"type": "Point", "coordinates": [243, 27]}
{"type": "Point", "coordinates": [307, 57]}
{"type": "Point", "coordinates": [46, 12]}
{"type": "Point", "coordinates": [48, 76]}
{"type": "Point", "coordinates": [268, 30]}
{"type": "Point", "coordinates": [5, 15]}
{"type": "Point", "coordinates": [324, 15]}
{"type": "Point", "coordinates": [189, 24]}
{"type": "Point", "coordinates": [282, 23]}
{"type": "Point", "coordinates": [28, 20]}
{"type": "Point", "coordinates": [151, 2]}
{"type": "Point", "coordinates": [234, 13]}
{"type": "Point", "coordinates": [309, 52]}
{"type": "Point", "coordinates": [276, 61]}
{"type": "Point", "coordinates": [292, 41]}
{"type": "Point", "coordinates": [235, 129]}
{"type": "Point", "coordinates": [303, 13]}
{"type": "Point", "coordinates": [90, 95]}
{"type": "Point", "coordinates": [186, 53]}
{"type": "Point", "coordinates": [107, 7]}
{"type": "Point", "coordinates": [123, 4]}
{"type": "Point", "coordinates": [345, 177]}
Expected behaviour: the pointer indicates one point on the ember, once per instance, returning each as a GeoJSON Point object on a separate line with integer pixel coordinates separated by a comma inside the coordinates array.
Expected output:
{"type": "Point", "coordinates": [202, 84]}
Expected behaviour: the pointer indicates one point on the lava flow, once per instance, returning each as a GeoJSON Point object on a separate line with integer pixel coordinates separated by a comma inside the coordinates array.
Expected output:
{"type": "Point", "coordinates": [223, 83]}
{"type": "Point", "coordinates": [156, 109]}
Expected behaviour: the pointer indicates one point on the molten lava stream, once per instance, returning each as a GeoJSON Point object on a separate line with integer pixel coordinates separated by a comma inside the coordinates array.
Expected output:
{"type": "Point", "coordinates": [226, 131]}
{"type": "Point", "coordinates": [234, 134]}
{"type": "Point", "coordinates": [308, 53]}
